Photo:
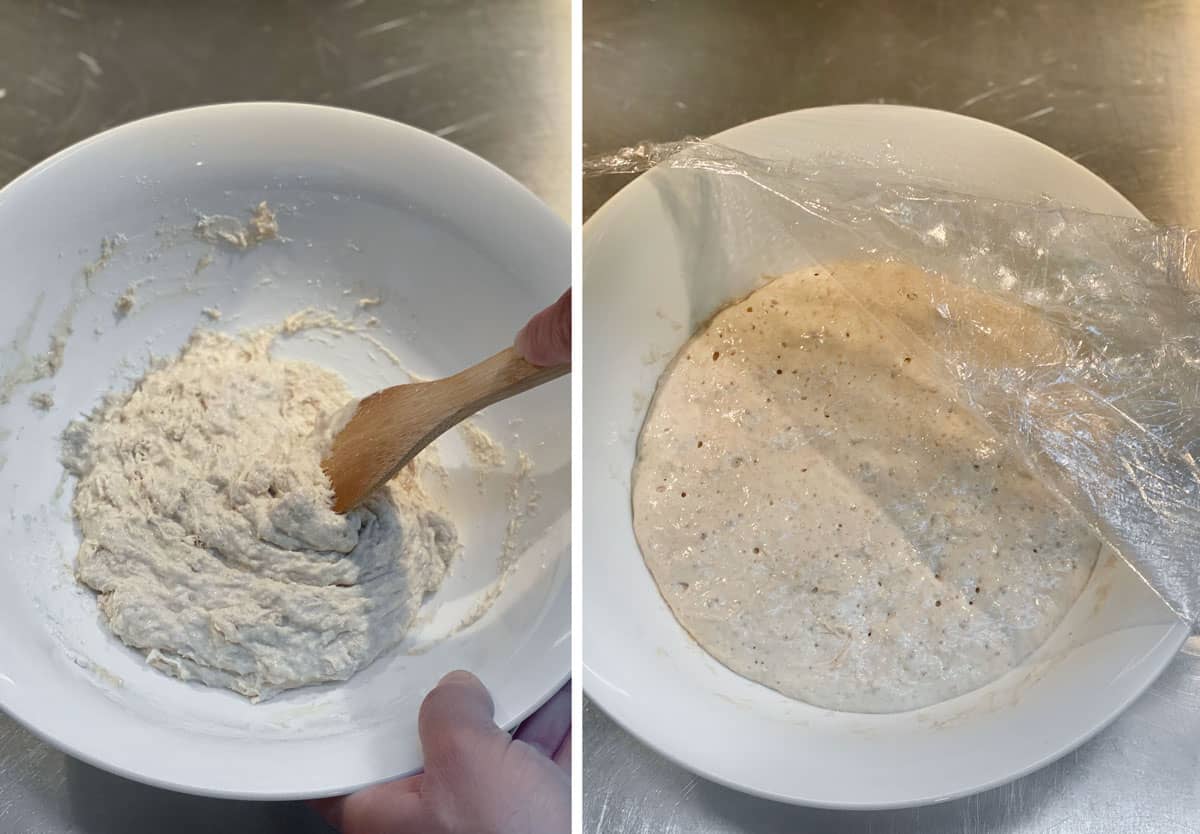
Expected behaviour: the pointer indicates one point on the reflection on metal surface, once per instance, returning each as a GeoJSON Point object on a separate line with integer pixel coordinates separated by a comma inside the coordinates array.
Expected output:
{"type": "Point", "coordinates": [1111, 84]}
{"type": "Point", "coordinates": [492, 77]}
{"type": "Point", "coordinates": [1137, 777]}
{"type": "Point", "coordinates": [498, 71]}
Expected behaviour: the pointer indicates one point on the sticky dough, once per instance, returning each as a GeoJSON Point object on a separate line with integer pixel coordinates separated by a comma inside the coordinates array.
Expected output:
{"type": "Point", "coordinates": [208, 534]}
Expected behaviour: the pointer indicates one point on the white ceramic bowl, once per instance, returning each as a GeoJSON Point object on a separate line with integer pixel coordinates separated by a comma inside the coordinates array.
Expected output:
{"type": "Point", "coordinates": [459, 255]}
{"type": "Point", "coordinates": [641, 301]}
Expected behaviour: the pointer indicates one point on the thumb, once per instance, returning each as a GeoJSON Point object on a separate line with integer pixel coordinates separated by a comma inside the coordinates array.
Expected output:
{"type": "Point", "coordinates": [546, 339]}
{"type": "Point", "coordinates": [456, 718]}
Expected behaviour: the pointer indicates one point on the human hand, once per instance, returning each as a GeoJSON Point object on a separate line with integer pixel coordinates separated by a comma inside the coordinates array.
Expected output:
{"type": "Point", "coordinates": [546, 339]}
{"type": "Point", "coordinates": [477, 779]}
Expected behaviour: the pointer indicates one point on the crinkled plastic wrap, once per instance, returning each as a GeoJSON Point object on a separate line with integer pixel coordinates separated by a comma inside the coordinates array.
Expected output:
{"type": "Point", "coordinates": [1074, 335]}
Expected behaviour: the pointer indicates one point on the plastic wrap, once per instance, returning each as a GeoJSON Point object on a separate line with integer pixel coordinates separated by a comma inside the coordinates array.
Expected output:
{"type": "Point", "coordinates": [1074, 335]}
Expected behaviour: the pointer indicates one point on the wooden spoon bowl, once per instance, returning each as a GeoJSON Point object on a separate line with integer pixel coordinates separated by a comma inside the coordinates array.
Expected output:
{"type": "Point", "coordinates": [390, 427]}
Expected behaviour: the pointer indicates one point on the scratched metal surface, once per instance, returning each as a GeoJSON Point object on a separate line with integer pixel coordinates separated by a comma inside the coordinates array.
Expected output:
{"type": "Point", "coordinates": [1114, 84]}
{"type": "Point", "coordinates": [492, 75]}
{"type": "Point", "coordinates": [1140, 776]}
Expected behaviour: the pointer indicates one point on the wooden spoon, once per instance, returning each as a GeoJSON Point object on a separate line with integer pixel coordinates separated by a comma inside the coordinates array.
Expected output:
{"type": "Point", "coordinates": [391, 426]}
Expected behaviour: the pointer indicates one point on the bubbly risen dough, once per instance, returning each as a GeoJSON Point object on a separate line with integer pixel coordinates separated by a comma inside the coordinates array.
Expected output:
{"type": "Point", "coordinates": [822, 516]}
{"type": "Point", "coordinates": [207, 528]}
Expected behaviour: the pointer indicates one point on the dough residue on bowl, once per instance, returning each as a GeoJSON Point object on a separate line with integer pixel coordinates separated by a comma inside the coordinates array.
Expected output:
{"type": "Point", "coordinates": [487, 454]}
{"type": "Point", "coordinates": [26, 368]}
{"type": "Point", "coordinates": [126, 301]}
{"type": "Point", "coordinates": [208, 532]}
{"type": "Point", "coordinates": [824, 517]}
{"type": "Point", "coordinates": [229, 231]}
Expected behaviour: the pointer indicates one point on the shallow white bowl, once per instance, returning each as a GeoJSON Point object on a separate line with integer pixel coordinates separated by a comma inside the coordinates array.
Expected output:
{"type": "Point", "coordinates": [458, 254]}
{"type": "Point", "coordinates": [642, 298]}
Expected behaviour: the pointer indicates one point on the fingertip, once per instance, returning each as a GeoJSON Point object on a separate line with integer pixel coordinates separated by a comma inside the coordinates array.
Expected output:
{"type": "Point", "coordinates": [459, 676]}
{"type": "Point", "coordinates": [459, 700]}
{"type": "Point", "coordinates": [545, 340]}
{"type": "Point", "coordinates": [456, 721]}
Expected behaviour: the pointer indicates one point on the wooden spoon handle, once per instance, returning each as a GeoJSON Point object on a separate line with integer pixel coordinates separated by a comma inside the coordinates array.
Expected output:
{"type": "Point", "coordinates": [500, 377]}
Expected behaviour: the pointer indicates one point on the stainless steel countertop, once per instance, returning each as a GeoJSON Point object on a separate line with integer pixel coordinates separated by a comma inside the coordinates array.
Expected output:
{"type": "Point", "coordinates": [1112, 83]}
{"type": "Point", "coordinates": [491, 75]}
